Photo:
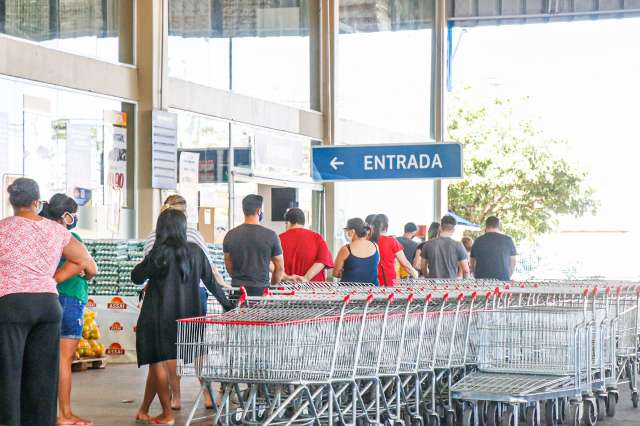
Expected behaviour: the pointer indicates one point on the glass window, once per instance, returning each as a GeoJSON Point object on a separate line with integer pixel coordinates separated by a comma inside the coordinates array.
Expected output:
{"type": "Point", "coordinates": [384, 65]}
{"type": "Point", "coordinates": [70, 143]}
{"type": "Point", "coordinates": [260, 49]}
{"type": "Point", "coordinates": [383, 91]}
{"type": "Point", "coordinates": [203, 142]}
{"type": "Point", "coordinates": [95, 28]}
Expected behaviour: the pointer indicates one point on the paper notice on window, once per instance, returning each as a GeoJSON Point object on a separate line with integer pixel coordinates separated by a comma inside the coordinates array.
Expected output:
{"type": "Point", "coordinates": [207, 216]}
{"type": "Point", "coordinates": [80, 143]}
{"type": "Point", "coordinates": [189, 168]}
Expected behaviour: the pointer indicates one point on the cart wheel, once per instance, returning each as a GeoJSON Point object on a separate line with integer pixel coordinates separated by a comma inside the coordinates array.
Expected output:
{"type": "Point", "coordinates": [507, 419]}
{"type": "Point", "coordinates": [612, 401]}
{"type": "Point", "coordinates": [466, 417]}
{"type": "Point", "coordinates": [564, 411]}
{"type": "Point", "coordinates": [590, 412]}
{"type": "Point", "coordinates": [433, 420]}
{"type": "Point", "coordinates": [450, 418]}
{"type": "Point", "coordinates": [601, 406]}
{"type": "Point", "coordinates": [551, 412]}
{"type": "Point", "coordinates": [531, 416]}
{"type": "Point", "coordinates": [493, 415]}
{"type": "Point", "coordinates": [634, 399]}
{"type": "Point", "coordinates": [575, 414]}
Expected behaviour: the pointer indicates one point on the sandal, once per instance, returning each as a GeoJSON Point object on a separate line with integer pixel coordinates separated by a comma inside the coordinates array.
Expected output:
{"type": "Point", "coordinates": [156, 421]}
{"type": "Point", "coordinates": [143, 418]}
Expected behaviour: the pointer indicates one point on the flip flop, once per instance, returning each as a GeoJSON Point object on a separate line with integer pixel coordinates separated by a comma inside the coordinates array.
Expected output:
{"type": "Point", "coordinates": [143, 421]}
{"type": "Point", "coordinates": [75, 423]}
{"type": "Point", "coordinates": [160, 422]}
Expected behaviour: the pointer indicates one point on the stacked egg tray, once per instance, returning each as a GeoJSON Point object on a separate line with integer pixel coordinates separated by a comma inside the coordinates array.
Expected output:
{"type": "Point", "coordinates": [217, 257]}
{"type": "Point", "coordinates": [117, 258]}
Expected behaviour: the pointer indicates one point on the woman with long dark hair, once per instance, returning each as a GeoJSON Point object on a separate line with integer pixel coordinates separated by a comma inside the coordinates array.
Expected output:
{"type": "Point", "coordinates": [73, 295]}
{"type": "Point", "coordinates": [173, 269]}
{"type": "Point", "coordinates": [178, 202]}
{"type": "Point", "coordinates": [390, 251]}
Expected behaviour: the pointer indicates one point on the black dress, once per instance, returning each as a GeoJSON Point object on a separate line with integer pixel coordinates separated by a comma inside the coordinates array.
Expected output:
{"type": "Point", "coordinates": [167, 299]}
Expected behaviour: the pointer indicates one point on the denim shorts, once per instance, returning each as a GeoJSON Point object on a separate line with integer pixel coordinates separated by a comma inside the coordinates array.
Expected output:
{"type": "Point", "coordinates": [72, 317]}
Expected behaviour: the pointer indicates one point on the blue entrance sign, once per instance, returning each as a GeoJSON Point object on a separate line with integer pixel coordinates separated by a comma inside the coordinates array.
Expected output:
{"type": "Point", "coordinates": [359, 162]}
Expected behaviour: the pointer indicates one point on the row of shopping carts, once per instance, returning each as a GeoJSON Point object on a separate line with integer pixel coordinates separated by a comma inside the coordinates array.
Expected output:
{"type": "Point", "coordinates": [423, 352]}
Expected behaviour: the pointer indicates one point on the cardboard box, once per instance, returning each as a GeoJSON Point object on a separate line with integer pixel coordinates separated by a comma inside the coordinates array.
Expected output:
{"type": "Point", "coordinates": [206, 223]}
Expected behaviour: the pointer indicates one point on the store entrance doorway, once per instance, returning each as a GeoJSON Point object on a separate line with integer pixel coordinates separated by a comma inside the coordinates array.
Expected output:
{"type": "Point", "coordinates": [278, 197]}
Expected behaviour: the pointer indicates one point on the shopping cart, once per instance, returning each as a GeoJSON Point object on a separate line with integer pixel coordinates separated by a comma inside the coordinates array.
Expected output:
{"type": "Point", "coordinates": [529, 355]}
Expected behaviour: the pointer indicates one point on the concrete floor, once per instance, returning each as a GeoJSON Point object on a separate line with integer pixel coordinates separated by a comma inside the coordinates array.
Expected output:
{"type": "Point", "coordinates": [110, 397]}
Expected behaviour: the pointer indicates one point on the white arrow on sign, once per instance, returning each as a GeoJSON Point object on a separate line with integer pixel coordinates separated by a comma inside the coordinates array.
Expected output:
{"type": "Point", "coordinates": [335, 163]}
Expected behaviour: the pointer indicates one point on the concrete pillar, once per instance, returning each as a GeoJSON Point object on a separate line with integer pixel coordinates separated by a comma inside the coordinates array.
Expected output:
{"type": "Point", "coordinates": [151, 31]}
{"type": "Point", "coordinates": [328, 45]}
{"type": "Point", "coordinates": [438, 85]}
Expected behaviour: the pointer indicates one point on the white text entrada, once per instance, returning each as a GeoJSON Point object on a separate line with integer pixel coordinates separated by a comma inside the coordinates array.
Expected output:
{"type": "Point", "coordinates": [401, 162]}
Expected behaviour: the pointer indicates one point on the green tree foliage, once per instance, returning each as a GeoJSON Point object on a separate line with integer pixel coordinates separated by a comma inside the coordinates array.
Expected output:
{"type": "Point", "coordinates": [514, 171]}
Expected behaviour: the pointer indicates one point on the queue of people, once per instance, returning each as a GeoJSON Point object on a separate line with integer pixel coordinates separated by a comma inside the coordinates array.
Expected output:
{"type": "Point", "coordinates": [44, 268]}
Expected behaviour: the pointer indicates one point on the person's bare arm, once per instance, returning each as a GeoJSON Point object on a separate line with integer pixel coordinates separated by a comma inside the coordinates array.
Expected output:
{"type": "Point", "coordinates": [228, 263]}
{"type": "Point", "coordinates": [218, 277]}
{"type": "Point", "coordinates": [66, 271]}
{"type": "Point", "coordinates": [424, 267]}
{"type": "Point", "coordinates": [314, 270]}
{"type": "Point", "coordinates": [339, 263]}
{"type": "Point", "coordinates": [464, 268]}
{"type": "Point", "coordinates": [278, 269]}
{"type": "Point", "coordinates": [417, 260]}
{"type": "Point", "coordinates": [472, 264]}
{"type": "Point", "coordinates": [512, 266]}
{"type": "Point", "coordinates": [404, 262]}
{"type": "Point", "coordinates": [76, 252]}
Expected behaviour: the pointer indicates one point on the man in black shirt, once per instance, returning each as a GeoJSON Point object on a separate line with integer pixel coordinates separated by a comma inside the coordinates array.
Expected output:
{"type": "Point", "coordinates": [408, 245]}
{"type": "Point", "coordinates": [493, 255]}
{"type": "Point", "coordinates": [250, 248]}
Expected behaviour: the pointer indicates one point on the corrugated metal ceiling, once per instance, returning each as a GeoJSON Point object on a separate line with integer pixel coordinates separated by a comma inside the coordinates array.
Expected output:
{"type": "Point", "coordinates": [489, 12]}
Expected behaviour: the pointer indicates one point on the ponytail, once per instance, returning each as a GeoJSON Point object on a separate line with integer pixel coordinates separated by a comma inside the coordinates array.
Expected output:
{"type": "Point", "coordinates": [57, 206]}
{"type": "Point", "coordinates": [380, 224]}
{"type": "Point", "coordinates": [358, 226]}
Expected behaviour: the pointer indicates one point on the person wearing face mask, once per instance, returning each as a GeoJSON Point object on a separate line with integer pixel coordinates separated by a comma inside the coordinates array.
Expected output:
{"type": "Point", "coordinates": [250, 248]}
{"type": "Point", "coordinates": [30, 315]}
{"type": "Point", "coordinates": [73, 295]}
{"type": "Point", "coordinates": [357, 262]}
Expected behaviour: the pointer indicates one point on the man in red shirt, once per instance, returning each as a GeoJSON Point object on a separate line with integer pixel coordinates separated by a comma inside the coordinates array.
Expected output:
{"type": "Point", "coordinates": [305, 252]}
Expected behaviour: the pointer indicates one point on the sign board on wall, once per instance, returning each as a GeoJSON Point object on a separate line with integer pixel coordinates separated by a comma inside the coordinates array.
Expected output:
{"type": "Point", "coordinates": [164, 146]}
{"type": "Point", "coordinates": [371, 162]}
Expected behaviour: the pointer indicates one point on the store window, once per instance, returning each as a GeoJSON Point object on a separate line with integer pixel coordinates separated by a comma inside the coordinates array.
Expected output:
{"type": "Point", "coordinates": [260, 49]}
{"type": "Point", "coordinates": [383, 92]}
{"type": "Point", "coordinates": [72, 143]}
{"type": "Point", "coordinates": [203, 147]}
{"type": "Point", "coordinates": [384, 65]}
{"type": "Point", "coordinates": [279, 169]}
{"type": "Point", "coordinates": [97, 28]}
